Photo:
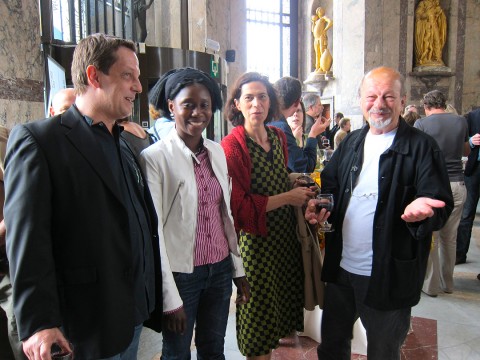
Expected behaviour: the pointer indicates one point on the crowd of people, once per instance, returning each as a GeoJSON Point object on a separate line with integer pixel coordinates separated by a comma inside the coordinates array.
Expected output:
{"type": "Point", "coordinates": [110, 228]}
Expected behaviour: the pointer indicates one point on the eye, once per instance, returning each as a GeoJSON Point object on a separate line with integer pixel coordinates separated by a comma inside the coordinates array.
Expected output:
{"type": "Point", "coordinates": [127, 75]}
{"type": "Point", "coordinates": [263, 97]}
{"type": "Point", "coordinates": [248, 97]}
{"type": "Point", "coordinates": [205, 105]}
{"type": "Point", "coordinates": [188, 106]}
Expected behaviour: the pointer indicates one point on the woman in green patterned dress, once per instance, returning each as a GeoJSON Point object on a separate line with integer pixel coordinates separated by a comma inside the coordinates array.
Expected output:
{"type": "Point", "coordinates": [261, 206]}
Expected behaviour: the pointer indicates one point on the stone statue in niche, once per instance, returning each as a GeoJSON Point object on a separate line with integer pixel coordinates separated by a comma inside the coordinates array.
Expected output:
{"type": "Point", "coordinates": [320, 25]}
{"type": "Point", "coordinates": [140, 8]}
{"type": "Point", "coordinates": [430, 33]}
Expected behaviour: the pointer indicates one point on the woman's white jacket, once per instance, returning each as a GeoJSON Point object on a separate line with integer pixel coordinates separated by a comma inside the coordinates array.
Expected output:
{"type": "Point", "coordinates": [168, 167]}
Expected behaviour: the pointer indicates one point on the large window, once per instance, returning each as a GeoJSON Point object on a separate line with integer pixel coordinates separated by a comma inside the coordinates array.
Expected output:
{"type": "Point", "coordinates": [271, 37]}
{"type": "Point", "coordinates": [75, 19]}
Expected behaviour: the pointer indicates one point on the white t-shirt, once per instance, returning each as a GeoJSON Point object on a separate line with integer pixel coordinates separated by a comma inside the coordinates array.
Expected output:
{"type": "Point", "coordinates": [358, 223]}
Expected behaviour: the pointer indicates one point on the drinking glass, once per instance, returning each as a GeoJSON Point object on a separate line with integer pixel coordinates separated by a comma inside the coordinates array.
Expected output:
{"type": "Point", "coordinates": [324, 201]}
{"type": "Point", "coordinates": [306, 180]}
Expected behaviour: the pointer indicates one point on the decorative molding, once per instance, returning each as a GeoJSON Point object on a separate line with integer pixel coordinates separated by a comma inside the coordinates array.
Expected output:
{"type": "Point", "coordinates": [430, 78]}
{"type": "Point", "coordinates": [21, 89]}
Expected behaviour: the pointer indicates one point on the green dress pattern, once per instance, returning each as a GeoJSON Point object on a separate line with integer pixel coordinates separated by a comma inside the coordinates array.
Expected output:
{"type": "Point", "coordinates": [273, 264]}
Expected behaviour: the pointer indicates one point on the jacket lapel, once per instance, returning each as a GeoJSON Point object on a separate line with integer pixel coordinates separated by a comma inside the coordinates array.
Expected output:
{"type": "Point", "coordinates": [83, 139]}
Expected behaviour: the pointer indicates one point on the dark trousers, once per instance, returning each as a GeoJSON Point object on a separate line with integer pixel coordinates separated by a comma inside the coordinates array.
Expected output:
{"type": "Point", "coordinates": [344, 303]}
{"type": "Point", "coordinates": [206, 300]}
{"type": "Point", "coordinates": [464, 232]}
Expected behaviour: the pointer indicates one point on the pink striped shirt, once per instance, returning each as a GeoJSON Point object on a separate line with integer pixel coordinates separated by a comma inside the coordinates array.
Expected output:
{"type": "Point", "coordinates": [211, 244]}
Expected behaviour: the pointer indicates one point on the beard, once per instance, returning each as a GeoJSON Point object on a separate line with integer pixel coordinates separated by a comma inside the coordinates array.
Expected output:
{"type": "Point", "coordinates": [379, 124]}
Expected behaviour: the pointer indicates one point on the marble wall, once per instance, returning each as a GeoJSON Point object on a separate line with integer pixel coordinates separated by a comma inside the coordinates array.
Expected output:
{"type": "Point", "coordinates": [370, 33]}
{"type": "Point", "coordinates": [21, 63]}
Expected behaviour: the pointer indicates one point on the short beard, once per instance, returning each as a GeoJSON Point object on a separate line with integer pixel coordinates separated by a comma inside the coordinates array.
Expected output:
{"type": "Point", "coordinates": [379, 124]}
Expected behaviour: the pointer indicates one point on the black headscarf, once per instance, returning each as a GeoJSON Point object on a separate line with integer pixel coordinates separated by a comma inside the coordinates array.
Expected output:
{"type": "Point", "coordinates": [170, 84]}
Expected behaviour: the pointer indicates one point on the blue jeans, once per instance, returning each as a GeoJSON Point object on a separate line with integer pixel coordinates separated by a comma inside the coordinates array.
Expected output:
{"type": "Point", "coordinates": [130, 353]}
{"type": "Point", "coordinates": [206, 300]}
{"type": "Point", "coordinates": [472, 183]}
{"type": "Point", "coordinates": [344, 303]}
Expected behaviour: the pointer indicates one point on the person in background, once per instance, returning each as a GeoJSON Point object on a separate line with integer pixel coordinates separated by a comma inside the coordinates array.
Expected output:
{"type": "Point", "coordinates": [313, 109]}
{"type": "Point", "coordinates": [391, 190]}
{"type": "Point", "coordinates": [264, 219]}
{"type": "Point", "coordinates": [410, 109]}
{"type": "Point", "coordinates": [82, 243]}
{"type": "Point", "coordinates": [62, 101]}
{"type": "Point", "coordinates": [472, 183]}
{"type": "Point", "coordinates": [449, 108]}
{"type": "Point", "coordinates": [411, 117]}
{"type": "Point", "coordinates": [451, 133]}
{"type": "Point", "coordinates": [135, 135]}
{"type": "Point", "coordinates": [330, 133]}
{"type": "Point", "coordinates": [297, 124]}
{"type": "Point", "coordinates": [300, 160]}
{"type": "Point", "coordinates": [188, 177]}
{"type": "Point", "coordinates": [343, 132]}
{"type": "Point", "coordinates": [164, 121]}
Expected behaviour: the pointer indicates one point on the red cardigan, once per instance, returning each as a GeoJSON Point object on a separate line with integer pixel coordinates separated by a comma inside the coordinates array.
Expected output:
{"type": "Point", "coordinates": [249, 210]}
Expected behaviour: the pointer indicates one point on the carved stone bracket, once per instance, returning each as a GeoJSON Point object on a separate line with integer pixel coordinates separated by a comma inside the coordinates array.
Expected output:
{"type": "Point", "coordinates": [318, 80]}
{"type": "Point", "coordinates": [431, 77]}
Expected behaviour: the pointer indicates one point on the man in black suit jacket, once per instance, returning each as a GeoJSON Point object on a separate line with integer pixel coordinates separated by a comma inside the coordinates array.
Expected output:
{"type": "Point", "coordinates": [472, 183]}
{"type": "Point", "coordinates": [84, 258]}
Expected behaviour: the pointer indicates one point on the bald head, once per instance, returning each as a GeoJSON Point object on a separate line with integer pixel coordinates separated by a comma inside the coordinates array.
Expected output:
{"type": "Point", "coordinates": [382, 99]}
{"type": "Point", "coordinates": [387, 74]}
{"type": "Point", "coordinates": [62, 101]}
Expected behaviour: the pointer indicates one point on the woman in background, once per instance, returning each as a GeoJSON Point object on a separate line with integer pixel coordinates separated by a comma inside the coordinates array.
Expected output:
{"type": "Point", "coordinates": [187, 176]}
{"type": "Point", "coordinates": [297, 124]}
{"type": "Point", "coordinates": [261, 198]}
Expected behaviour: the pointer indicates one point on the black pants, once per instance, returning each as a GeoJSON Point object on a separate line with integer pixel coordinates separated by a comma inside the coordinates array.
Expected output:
{"type": "Point", "coordinates": [344, 303]}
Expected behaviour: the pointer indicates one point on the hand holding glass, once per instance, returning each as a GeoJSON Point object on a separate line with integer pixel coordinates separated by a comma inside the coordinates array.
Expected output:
{"type": "Point", "coordinates": [305, 180]}
{"type": "Point", "coordinates": [324, 201]}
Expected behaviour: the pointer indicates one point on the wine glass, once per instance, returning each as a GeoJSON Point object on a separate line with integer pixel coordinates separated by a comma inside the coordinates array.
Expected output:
{"type": "Point", "coordinates": [324, 201]}
{"type": "Point", "coordinates": [305, 180]}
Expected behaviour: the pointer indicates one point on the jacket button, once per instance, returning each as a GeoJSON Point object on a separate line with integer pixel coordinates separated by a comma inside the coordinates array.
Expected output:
{"type": "Point", "coordinates": [347, 190]}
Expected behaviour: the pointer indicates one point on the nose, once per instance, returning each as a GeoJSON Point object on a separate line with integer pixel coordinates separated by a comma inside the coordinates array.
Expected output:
{"type": "Point", "coordinates": [255, 101]}
{"type": "Point", "coordinates": [137, 86]}
{"type": "Point", "coordinates": [379, 102]}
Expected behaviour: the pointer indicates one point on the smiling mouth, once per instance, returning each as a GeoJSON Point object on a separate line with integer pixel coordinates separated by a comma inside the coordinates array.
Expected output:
{"type": "Point", "coordinates": [130, 99]}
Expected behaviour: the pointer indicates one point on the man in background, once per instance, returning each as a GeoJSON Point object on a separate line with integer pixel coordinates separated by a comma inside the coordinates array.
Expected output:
{"type": "Point", "coordinates": [301, 160]}
{"type": "Point", "coordinates": [62, 101]}
{"type": "Point", "coordinates": [451, 133]}
{"type": "Point", "coordinates": [472, 183]}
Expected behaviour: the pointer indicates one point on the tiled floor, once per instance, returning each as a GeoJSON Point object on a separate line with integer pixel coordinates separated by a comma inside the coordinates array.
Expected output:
{"type": "Point", "coordinates": [445, 328]}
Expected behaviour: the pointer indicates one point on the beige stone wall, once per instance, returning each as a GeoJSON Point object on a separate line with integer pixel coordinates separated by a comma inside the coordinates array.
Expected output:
{"type": "Point", "coordinates": [21, 63]}
{"type": "Point", "coordinates": [471, 89]}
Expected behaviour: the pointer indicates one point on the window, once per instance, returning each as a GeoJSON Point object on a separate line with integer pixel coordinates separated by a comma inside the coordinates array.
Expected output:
{"type": "Point", "coordinates": [271, 34]}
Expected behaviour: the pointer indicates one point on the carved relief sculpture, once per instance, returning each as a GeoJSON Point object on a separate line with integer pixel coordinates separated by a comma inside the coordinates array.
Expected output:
{"type": "Point", "coordinates": [320, 25]}
{"type": "Point", "coordinates": [430, 33]}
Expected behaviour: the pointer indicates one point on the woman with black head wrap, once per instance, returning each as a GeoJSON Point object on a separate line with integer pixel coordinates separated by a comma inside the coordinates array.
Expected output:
{"type": "Point", "coordinates": [190, 186]}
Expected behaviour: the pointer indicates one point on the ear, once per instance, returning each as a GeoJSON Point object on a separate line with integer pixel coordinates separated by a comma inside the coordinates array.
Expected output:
{"type": "Point", "coordinates": [92, 76]}
{"type": "Point", "coordinates": [171, 107]}
{"type": "Point", "coordinates": [237, 104]}
{"type": "Point", "coordinates": [404, 101]}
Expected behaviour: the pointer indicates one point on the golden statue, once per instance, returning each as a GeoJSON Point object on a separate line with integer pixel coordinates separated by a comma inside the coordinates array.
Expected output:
{"type": "Point", "coordinates": [430, 33]}
{"type": "Point", "coordinates": [320, 26]}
